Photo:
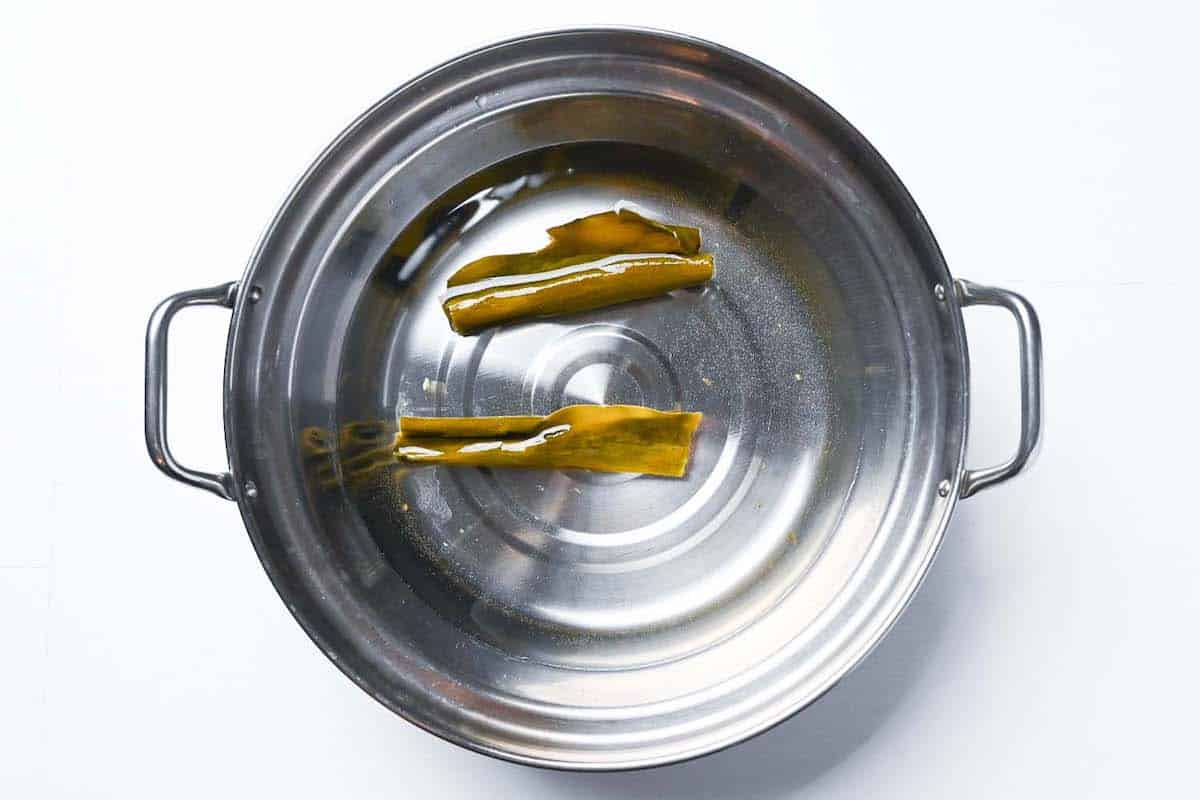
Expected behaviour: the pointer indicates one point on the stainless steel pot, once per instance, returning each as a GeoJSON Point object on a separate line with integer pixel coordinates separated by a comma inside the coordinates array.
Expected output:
{"type": "Point", "coordinates": [596, 621]}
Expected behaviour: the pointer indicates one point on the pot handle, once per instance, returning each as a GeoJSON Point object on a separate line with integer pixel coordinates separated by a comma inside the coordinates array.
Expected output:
{"type": "Point", "coordinates": [156, 387]}
{"type": "Point", "coordinates": [1030, 341]}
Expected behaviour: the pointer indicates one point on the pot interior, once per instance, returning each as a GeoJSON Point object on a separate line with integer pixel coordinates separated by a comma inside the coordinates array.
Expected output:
{"type": "Point", "coordinates": [583, 619]}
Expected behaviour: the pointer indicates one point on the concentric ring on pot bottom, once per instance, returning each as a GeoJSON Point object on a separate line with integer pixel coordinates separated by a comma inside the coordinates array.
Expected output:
{"type": "Point", "coordinates": [607, 521]}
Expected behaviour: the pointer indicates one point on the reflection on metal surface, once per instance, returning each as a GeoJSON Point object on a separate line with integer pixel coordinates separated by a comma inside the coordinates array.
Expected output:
{"type": "Point", "coordinates": [352, 458]}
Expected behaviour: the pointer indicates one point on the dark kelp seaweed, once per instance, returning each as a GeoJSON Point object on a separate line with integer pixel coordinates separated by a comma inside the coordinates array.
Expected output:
{"type": "Point", "coordinates": [592, 262]}
{"type": "Point", "coordinates": [614, 438]}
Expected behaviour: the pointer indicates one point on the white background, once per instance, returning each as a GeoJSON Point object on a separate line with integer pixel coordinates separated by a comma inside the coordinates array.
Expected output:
{"type": "Point", "coordinates": [1053, 650]}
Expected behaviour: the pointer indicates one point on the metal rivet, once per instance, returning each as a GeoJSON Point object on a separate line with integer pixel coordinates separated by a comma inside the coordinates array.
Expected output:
{"type": "Point", "coordinates": [939, 292]}
{"type": "Point", "coordinates": [944, 489]}
{"type": "Point", "coordinates": [255, 294]}
{"type": "Point", "coordinates": [251, 490]}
